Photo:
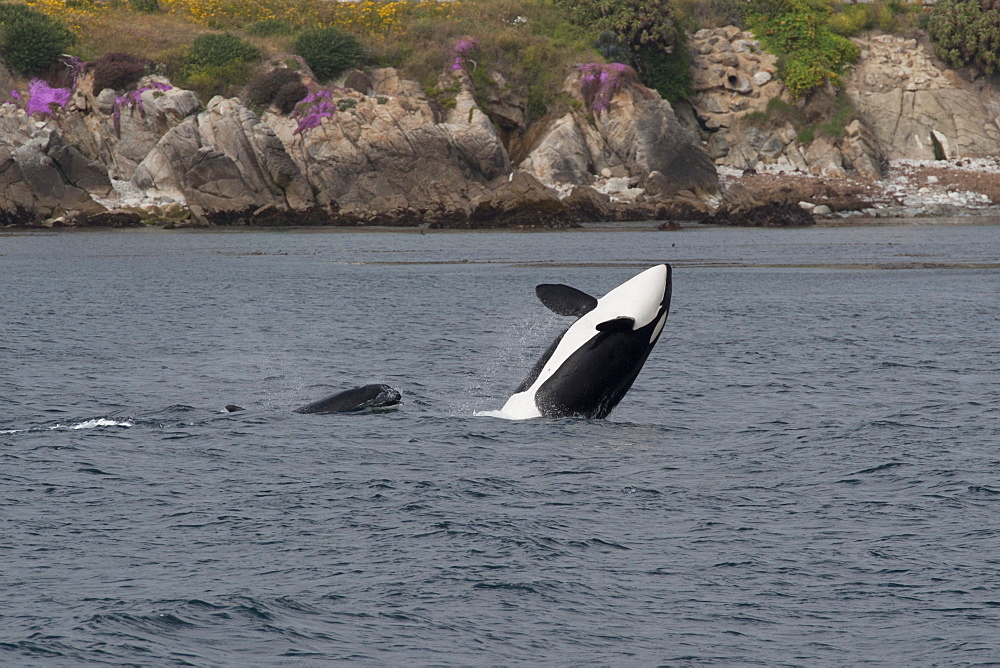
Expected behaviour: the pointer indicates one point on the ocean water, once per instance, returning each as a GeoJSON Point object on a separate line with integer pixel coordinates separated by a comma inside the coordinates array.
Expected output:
{"type": "Point", "coordinates": [807, 471]}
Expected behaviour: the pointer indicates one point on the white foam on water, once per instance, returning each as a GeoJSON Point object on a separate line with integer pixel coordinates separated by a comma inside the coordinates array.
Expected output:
{"type": "Point", "coordinates": [102, 422]}
{"type": "Point", "coordinates": [496, 414]}
{"type": "Point", "coordinates": [86, 424]}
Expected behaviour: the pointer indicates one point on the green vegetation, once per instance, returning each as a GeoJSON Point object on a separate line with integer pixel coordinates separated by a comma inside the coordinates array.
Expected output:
{"type": "Point", "coordinates": [270, 28]}
{"type": "Point", "coordinates": [144, 6]}
{"type": "Point", "coordinates": [824, 114]}
{"type": "Point", "coordinates": [219, 49]}
{"type": "Point", "coordinates": [646, 34]}
{"type": "Point", "coordinates": [809, 53]}
{"type": "Point", "coordinates": [218, 63]}
{"type": "Point", "coordinates": [30, 41]}
{"type": "Point", "coordinates": [967, 33]}
{"type": "Point", "coordinates": [523, 48]}
{"type": "Point", "coordinates": [938, 149]}
{"type": "Point", "coordinates": [891, 16]}
{"type": "Point", "coordinates": [281, 87]}
{"type": "Point", "coordinates": [329, 52]}
{"type": "Point", "coordinates": [118, 71]}
{"type": "Point", "coordinates": [697, 14]}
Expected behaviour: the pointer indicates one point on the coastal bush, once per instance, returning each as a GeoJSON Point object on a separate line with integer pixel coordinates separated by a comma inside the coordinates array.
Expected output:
{"type": "Point", "coordinates": [892, 16]}
{"type": "Point", "coordinates": [669, 74]}
{"type": "Point", "coordinates": [777, 113]}
{"type": "Point", "coordinates": [211, 80]}
{"type": "Point", "coordinates": [646, 35]}
{"type": "Point", "coordinates": [119, 71]}
{"type": "Point", "coordinates": [823, 114]}
{"type": "Point", "coordinates": [216, 49]}
{"type": "Point", "coordinates": [809, 53]}
{"type": "Point", "coordinates": [289, 95]}
{"type": "Point", "coordinates": [830, 114]}
{"type": "Point", "coordinates": [217, 64]}
{"type": "Point", "coordinates": [329, 51]}
{"type": "Point", "coordinates": [30, 41]}
{"type": "Point", "coordinates": [281, 87]}
{"type": "Point", "coordinates": [967, 33]}
{"type": "Point", "coordinates": [637, 23]}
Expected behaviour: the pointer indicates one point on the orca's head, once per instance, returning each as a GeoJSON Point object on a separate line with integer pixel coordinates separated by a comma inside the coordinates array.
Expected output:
{"type": "Point", "coordinates": [387, 396]}
{"type": "Point", "coordinates": [639, 303]}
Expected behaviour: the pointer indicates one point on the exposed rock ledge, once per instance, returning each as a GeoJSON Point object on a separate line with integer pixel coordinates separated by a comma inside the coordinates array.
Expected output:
{"type": "Point", "coordinates": [390, 157]}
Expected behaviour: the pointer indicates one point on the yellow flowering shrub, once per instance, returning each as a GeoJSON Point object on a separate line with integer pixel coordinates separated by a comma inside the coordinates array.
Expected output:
{"type": "Point", "coordinates": [74, 15]}
{"type": "Point", "coordinates": [365, 17]}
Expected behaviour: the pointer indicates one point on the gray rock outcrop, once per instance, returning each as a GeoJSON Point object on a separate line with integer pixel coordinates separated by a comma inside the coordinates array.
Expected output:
{"type": "Point", "coordinates": [618, 149]}
{"type": "Point", "coordinates": [906, 97]}
{"type": "Point", "coordinates": [387, 155]}
{"type": "Point", "coordinates": [139, 129]}
{"type": "Point", "coordinates": [734, 87]}
{"type": "Point", "coordinates": [224, 160]}
{"type": "Point", "coordinates": [41, 174]}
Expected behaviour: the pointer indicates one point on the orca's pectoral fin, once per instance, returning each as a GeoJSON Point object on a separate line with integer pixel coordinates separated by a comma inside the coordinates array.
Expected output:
{"type": "Point", "coordinates": [565, 300]}
{"type": "Point", "coordinates": [617, 325]}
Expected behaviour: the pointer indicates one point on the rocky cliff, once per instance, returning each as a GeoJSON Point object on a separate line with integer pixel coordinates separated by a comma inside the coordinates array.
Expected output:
{"type": "Point", "coordinates": [387, 155]}
{"type": "Point", "coordinates": [906, 97]}
{"type": "Point", "coordinates": [902, 96]}
{"type": "Point", "coordinates": [735, 90]}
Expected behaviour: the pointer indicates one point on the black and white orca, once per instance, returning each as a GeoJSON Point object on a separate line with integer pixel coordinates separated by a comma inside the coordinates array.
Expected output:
{"type": "Point", "coordinates": [364, 399]}
{"type": "Point", "coordinates": [590, 367]}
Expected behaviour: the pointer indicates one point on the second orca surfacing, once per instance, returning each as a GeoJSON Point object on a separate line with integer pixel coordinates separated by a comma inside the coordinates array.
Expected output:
{"type": "Point", "coordinates": [365, 399]}
{"type": "Point", "coordinates": [590, 367]}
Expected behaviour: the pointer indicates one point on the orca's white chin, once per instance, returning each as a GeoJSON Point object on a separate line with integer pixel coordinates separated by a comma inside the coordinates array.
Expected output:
{"type": "Point", "coordinates": [520, 406]}
{"type": "Point", "coordinates": [638, 298]}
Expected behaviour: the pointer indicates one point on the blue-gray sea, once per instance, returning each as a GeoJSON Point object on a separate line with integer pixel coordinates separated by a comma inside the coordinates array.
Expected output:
{"type": "Point", "coordinates": [806, 472]}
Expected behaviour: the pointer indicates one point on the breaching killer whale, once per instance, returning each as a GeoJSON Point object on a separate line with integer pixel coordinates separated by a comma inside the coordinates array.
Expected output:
{"type": "Point", "coordinates": [589, 367]}
{"type": "Point", "coordinates": [367, 398]}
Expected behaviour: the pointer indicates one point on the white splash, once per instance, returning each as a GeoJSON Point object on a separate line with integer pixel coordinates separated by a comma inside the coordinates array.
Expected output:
{"type": "Point", "coordinates": [101, 422]}
{"type": "Point", "coordinates": [86, 424]}
{"type": "Point", "coordinates": [495, 414]}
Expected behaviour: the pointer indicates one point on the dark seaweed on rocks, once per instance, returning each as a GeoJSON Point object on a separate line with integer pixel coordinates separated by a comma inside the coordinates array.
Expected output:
{"type": "Point", "coordinates": [775, 214]}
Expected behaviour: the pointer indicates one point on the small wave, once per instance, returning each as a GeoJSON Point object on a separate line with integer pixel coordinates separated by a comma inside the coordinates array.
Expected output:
{"type": "Point", "coordinates": [86, 424]}
{"type": "Point", "coordinates": [102, 422]}
{"type": "Point", "coordinates": [881, 467]}
{"type": "Point", "coordinates": [494, 414]}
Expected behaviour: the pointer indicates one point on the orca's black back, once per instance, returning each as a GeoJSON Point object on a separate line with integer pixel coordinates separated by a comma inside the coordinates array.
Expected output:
{"type": "Point", "coordinates": [595, 378]}
{"type": "Point", "coordinates": [356, 399]}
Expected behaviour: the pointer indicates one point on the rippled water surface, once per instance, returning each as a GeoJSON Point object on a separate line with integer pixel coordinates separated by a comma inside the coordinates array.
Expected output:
{"type": "Point", "coordinates": [806, 472]}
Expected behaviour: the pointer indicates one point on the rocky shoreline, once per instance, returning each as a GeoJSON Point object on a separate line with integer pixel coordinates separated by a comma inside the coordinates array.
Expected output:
{"type": "Point", "coordinates": [388, 155]}
{"type": "Point", "coordinates": [910, 189]}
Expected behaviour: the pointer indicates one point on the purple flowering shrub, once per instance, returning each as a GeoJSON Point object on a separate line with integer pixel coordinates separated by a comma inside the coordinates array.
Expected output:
{"type": "Point", "coordinates": [43, 99]}
{"type": "Point", "coordinates": [600, 83]}
{"type": "Point", "coordinates": [462, 52]}
{"type": "Point", "coordinates": [312, 109]}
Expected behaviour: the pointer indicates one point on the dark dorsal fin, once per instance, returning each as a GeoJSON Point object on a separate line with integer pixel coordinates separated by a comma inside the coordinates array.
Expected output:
{"type": "Point", "coordinates": [565, 300]}
{"type": "Point", "coordinates": [617, 325]}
